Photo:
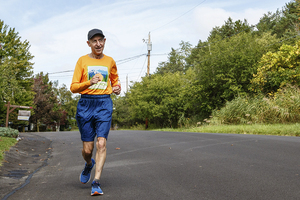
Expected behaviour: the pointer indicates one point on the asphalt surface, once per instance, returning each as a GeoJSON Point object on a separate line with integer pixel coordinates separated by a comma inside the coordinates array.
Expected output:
{"type": "Point", "coordinates": [155, 165]}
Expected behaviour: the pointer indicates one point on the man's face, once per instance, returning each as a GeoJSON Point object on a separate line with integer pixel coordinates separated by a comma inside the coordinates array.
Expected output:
{"type": "Point", "coordinates": [97, 44]}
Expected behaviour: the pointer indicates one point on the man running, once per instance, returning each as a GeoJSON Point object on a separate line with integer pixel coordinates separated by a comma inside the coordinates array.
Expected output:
{"type": "Point", "coordinates": [95, 78]}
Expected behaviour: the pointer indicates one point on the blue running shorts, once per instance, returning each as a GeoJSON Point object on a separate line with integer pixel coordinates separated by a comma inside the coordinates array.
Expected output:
{"type": "Point", "coordinates": [93, 116]}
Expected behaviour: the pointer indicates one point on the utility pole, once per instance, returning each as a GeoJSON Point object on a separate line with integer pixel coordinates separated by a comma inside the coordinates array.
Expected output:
{"type": "Point", "coordinates": [1, 54]}
{"type": "Point", "coordinates": [127, 83]}
{"type": "Point", "coordinates": [149, 48]}
{"type": "Point", "coordinates": [298, 13]}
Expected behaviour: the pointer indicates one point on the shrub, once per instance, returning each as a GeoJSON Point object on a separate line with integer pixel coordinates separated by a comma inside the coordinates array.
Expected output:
{"type": "Point", "coordinates": [283, 107]}
{"type": "Point", "coordinates": [138, 127]}
{"type": "Point", "coordinates": [8, 132]}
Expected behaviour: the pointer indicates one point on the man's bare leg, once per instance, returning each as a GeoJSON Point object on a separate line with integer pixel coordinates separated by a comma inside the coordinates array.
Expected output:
{"type": "Point", "coordinates": [87, 152]}
{"type": "Point", "coordinates": [100, 156]}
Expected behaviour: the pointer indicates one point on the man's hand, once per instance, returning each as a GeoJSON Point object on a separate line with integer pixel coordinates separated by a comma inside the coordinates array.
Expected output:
{"type": "Point", "coordinates": [95, 80]}
{"type": "Point", "coordinates": [116, 89]}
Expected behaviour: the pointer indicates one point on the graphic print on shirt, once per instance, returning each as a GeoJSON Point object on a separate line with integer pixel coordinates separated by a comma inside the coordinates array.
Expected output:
{"type": "Point", "coordinates": [100, 71]}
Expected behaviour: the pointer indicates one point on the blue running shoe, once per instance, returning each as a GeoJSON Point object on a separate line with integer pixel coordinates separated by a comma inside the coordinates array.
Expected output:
{"type": "Point", "coordinates": [86, 173]}
{"type": "Point", "coordinates": [96, 190]}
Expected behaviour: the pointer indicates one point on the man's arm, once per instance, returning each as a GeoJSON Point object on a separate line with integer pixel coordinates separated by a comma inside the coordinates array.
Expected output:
{"type": "Point", "coordinates": [115, 82]}
{"type": "Point", "coordinates": [76, 85]}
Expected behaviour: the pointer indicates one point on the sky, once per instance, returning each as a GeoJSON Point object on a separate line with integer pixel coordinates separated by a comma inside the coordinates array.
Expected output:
{"type": "Point", "coordinates": [57, 29]}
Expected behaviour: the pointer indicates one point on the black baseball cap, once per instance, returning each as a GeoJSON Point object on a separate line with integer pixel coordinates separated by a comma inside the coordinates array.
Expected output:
{"type": "Point", "coordinates": [94, 32]}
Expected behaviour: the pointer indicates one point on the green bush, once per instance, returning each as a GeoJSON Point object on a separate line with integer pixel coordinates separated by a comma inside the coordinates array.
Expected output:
{"type": "Point", "coordinates": [282, 107]}
{"type": "Point", "coordinates": [8, 132]}
{"type": "Point", "coordinates": [138, 126]}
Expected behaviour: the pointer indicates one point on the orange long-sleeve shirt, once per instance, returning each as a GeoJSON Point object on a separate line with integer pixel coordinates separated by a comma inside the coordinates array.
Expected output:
{"type": "Point", "coordinates": [87, 67]}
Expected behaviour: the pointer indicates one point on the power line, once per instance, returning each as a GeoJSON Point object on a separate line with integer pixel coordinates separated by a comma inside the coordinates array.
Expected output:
{"type": "Point", "coordinates": [63, 76]}
{"type": "Point", "coordinates": [61, 72]}
{"type": "Point", "coordinates": [253, 26]}
{"type": "Point", "coordinates": [129, 59]}
{"type": "Point", "coordinates": [122, 61]}
{"type": "Point", "coordinates": [162, 54]}
{"type": "Point", "coordinates": [142, 69]}
{"type": "Point", "coordinates": [178, 17]}
{"type": "Point", "coordinates": [135, 57]}
{"type": "Point", "coordinates": [125, 60]}
{"type": "Point", "coordinates": [284, 40]}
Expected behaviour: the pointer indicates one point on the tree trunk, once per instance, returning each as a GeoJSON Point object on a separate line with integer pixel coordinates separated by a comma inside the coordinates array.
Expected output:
{"type": "Point", "coordinates": [38, 126]}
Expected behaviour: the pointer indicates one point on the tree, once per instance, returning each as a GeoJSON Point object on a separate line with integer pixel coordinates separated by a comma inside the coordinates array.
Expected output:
{"type": "Point", "coordinates": [278, 69]}
{"type": "Point", "coordinates": [284, 24]}
{"type": "Point", "coordinates": [15, 71]}
{"type": "Point", "coordinates": [225, 69]}
{"type": "Point", "coordinates": [176, 60]}
{"type": "Point", "coordinates": [229, 29]}
{"type": "Point", "coordinates": [47, 108]}
{"type": "Point", "coordinates": [194, 83]}
{"type": "Point", "coordinates": [163, 99]}
{"type": "Point", "coordinates": [68, 104]}
{"type": "Point", "coordinates": [121, 111]}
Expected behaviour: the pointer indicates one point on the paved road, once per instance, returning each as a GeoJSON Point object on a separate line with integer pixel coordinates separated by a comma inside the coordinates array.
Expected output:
{"type": "Point", "coordinates": [170, 165]}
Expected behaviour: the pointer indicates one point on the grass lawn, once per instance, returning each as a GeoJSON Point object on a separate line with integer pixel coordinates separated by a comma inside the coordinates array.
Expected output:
{"type": "Point", "coordinates": [5, 144]}
{"type": "Point", "coordinates": [254, 129]}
